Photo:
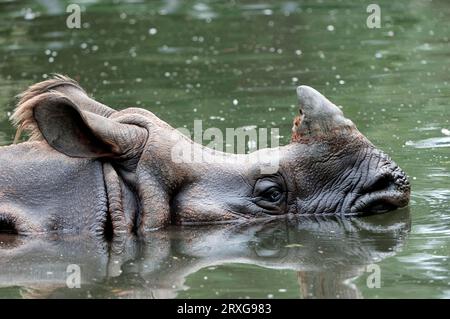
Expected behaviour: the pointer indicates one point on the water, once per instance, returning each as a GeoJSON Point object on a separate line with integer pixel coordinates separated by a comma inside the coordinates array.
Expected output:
{"type": "Point", "coordinates": [236, 64]}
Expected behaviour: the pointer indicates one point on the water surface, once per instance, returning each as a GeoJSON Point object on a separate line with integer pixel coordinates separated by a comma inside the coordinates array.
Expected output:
{"type": "Point", "coordinates": [235, 64]}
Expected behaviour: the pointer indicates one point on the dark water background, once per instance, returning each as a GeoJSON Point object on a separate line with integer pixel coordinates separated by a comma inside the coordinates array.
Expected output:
{"type": "Point", "coordinates": [187, 60]}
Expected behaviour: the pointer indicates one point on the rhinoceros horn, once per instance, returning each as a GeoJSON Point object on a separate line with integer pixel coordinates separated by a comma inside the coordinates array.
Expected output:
{"type": "Point", "coordinates": [318, 116]}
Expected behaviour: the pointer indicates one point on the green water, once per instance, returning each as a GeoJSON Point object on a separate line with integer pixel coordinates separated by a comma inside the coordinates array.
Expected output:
{"type": "Point", "coordinates": [187, 60]}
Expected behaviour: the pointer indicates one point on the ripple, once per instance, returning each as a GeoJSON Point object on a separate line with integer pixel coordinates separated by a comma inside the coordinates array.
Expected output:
{"type": "Point", "coordinates": [430, 142]}
{"type": "Point", "coordinates": [425, 261]}
{"type": "Point", "coordinates": [434, 197]}
{"type": "Point", "coordinates": [432, 229]}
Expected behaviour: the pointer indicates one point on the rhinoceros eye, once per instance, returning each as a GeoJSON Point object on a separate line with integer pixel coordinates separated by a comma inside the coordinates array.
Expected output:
{"type": "Point", "coordinates": [272, 195]}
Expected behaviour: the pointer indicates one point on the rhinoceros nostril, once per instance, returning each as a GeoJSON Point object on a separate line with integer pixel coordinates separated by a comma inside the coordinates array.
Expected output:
{"type": "Point", "coordinates": [381, 183]}
{"type": "Point", "coordinates": [386, 192]}
{"type": "Point", "coordinates": [7, 225]}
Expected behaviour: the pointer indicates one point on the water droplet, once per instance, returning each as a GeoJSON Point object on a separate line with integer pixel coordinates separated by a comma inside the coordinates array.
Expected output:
{"type": "Point", "coordinates": [152, 31]}
{"type": "Point", "coordinates": [29, 15]}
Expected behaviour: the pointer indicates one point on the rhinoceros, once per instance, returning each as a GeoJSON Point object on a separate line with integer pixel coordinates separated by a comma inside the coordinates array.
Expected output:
{"type": "Point", "coordinates": [89, 168]}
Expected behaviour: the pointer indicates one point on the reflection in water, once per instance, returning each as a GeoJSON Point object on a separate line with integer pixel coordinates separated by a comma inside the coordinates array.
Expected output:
{"type": "Point", "coordinates": [326, 253]}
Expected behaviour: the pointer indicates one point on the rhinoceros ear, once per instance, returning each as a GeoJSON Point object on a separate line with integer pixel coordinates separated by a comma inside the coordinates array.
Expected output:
{"type": "Point", "coordinates": [79, 133]}
{"type": "Point", "coordinates": [318, 116]}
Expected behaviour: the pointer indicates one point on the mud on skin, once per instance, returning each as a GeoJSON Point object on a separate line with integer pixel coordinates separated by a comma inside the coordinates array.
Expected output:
{"type": "Point", "coordinates": [88, 168]}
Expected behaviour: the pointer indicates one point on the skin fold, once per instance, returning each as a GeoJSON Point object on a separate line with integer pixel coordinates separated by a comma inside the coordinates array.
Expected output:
{"type": "Point", "coordinates": [90, 168]}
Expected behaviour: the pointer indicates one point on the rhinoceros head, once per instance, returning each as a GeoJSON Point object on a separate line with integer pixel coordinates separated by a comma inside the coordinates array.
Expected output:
{"type": "Point", "coordinates": [328, 168]}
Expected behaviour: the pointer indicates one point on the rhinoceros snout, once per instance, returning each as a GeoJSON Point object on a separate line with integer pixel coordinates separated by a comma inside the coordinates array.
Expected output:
{"type": "Point", "coordinates": [388, 191]}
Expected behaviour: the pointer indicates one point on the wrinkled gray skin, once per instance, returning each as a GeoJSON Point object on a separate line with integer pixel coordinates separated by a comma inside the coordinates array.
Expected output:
{"type": "Point", "coordinates": [324, 251]}
{"type": "Point", "coordinates": [89, 168]}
